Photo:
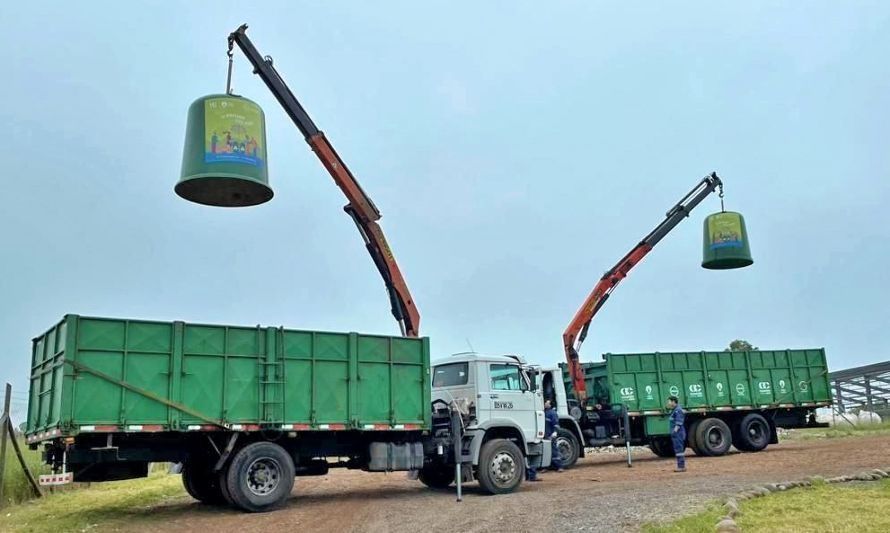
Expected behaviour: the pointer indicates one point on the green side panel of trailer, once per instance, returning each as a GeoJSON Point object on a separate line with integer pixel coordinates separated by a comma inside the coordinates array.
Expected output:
{"type": "Point", "coordinates": [709, 381]}
{"type": "Point", "coordinates": [115, 372]}
{"type": "Point", "coordinates": [658, 425]}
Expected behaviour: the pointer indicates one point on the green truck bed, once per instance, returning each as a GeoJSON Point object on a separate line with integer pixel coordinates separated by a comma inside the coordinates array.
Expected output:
{"type": "Point", "coordinates": [105, 374]}
{"type": "Point", "coordinates": [709, 381]}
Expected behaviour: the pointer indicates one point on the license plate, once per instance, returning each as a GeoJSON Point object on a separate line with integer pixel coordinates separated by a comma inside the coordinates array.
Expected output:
{"type": "Point", "coordinates": [56, 479]}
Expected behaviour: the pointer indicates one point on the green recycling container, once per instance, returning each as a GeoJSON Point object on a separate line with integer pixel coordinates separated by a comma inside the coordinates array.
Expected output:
{"type": "Point", "coordinates": [224, 157]}
{"type": "Point", "coordinates": [726, 242]}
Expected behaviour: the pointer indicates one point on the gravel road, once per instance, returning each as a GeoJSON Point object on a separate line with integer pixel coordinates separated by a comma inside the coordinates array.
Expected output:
{"type": "Point", "coordinates": [599, 494]}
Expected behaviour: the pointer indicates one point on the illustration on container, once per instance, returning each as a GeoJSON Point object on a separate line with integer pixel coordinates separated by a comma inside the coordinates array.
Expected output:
{"type": "Point", "coordinates": [233, 131]}
{"type": "Point", "coordinates": [725, 231]}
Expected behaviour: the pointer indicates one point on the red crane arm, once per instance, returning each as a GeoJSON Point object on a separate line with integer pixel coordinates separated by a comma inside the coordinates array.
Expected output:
{"type": "Point", "coordinates": [365, 215]}
{"type": "Point", "coordinates": [360, 207]}
{"type": "Point", "coordinates": [577, 329]}
{"type": "Point", "coordinates": [574, 335]}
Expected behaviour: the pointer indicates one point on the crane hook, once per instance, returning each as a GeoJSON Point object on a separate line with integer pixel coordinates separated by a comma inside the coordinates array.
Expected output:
{"type": "Point", "coordinates": [230, 53]}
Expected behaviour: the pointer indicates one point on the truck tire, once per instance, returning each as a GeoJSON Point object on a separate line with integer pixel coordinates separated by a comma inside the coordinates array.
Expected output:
{"type": "Point", "coordinates": [661, 446]}
{"type": "Point", "coordinates": [436, 476]}
{"type": "Point", "coordinates": [568, 447]}
{"type": "Point", "coordinates": [501, 466]}
{"type": "Point", "coordinates": [224, 487]}
{"type": "Point", "coordinates": [692, 439]}
{"type": "Point", "coordinates": [201, 483]}
{"type": "Point", "coordinates": [260, 477]}
{"type": "Point", "coordinates": [752, 433]}
{"type": "Point", "coordinates": [713, 437]}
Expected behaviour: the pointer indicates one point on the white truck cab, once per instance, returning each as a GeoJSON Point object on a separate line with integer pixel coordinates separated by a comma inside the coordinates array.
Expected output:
{"type": "Point", "coordinates": [504, 424]}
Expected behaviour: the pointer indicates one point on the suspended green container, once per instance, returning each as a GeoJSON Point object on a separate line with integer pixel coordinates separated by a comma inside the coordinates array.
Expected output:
{"type": "Point", "coordinates": [224, 158]}
{"type": "Point", "coordinates": [726, 242]}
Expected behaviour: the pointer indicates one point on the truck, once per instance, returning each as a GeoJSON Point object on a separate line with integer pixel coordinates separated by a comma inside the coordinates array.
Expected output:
{"type": "Point", "coordinates": [731, 398]}
{"type": "Point", "coordinates": [245, 410]}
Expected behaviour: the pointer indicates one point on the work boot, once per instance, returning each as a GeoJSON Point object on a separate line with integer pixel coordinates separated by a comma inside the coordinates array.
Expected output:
{"type": "Point", "coordinates": [680, 469]}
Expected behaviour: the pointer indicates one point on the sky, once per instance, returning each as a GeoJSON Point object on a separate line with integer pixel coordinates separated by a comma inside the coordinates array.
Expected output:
{"type": "Point", "coordinates": [516, 152]}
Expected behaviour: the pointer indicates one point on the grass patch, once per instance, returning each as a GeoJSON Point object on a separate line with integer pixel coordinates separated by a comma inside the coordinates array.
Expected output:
{"type": "Point", "coordinates": [861, 507]}
{"type": "Point", "coordinates": [865, 430]}
{"type": "Point", "coordinates": [101, 505]}
{"type": "Point", "coordinates": [702, 522]}
{"type": "Point", "coordinates": [15, 485]}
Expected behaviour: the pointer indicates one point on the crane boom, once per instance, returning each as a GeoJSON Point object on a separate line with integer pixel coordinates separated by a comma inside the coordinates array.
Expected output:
{"type": "Point", "coordinates": [576, 332]}
{"type": "Point", "coordinates": [360, 207]}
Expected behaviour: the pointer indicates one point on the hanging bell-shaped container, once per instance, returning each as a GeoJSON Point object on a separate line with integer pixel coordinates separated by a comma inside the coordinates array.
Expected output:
{"type": "Point", "coordinates": [726, 242]}
{"type": "Point", "coordinates": [224, 158]}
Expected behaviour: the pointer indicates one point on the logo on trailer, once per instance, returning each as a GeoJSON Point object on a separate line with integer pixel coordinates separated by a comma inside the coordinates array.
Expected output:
{"type": "Point", "coordinates": [648, 392]}
{"type": "Point", "coordinates": [781, 385]}
{"type": "Point", "coordinates": [674, 390]}
{"type": "Point", "coordinates": [765, 387]}
{"type": "Point", "coordinates": [803, 386]}
{"type": "Point", "coordinates": [740, 389]}
{"type": "Point", "coordinates": [627, 393]}
{"type": "Point", "coordinates": [696, 390]}
{"type": "Point", "coordinates": [719, 387]}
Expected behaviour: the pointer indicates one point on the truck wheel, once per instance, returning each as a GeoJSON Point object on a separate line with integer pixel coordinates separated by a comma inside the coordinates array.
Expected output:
{"type": "Point", "coordinates": [436, 476]}
{"type": "Point", "coordinates": [260, 477]}
{"type": "Point", "coordinates": [501, 466]}
{"type": "Point", "coordinates": [202, 484]}
{"type": "Point", "coordinates": [221, 477]}
{"type": "Point", "coordinates": [713, 437]}
{"type": "Point", "coordinates": [568, 447]}
{"type": "Point", "coordinates": [661, 447]}
{"type": "Point", "coordinates": [692, 438]}
{"type": "Point", "coordinates": [752, 433]}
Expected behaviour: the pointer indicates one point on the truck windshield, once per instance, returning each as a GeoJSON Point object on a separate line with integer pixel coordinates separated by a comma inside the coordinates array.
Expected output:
{"type": "Point", "coordinates": [450, 375]}
{"type": "Point", "coordinates": [507, 377]}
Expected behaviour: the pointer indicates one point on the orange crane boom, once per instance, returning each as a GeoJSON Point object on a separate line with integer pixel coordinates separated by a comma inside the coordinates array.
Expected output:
{"type": "Point", "coordinates": [360, 207]}
{"type": "Point", "coordinates": [576, 332]}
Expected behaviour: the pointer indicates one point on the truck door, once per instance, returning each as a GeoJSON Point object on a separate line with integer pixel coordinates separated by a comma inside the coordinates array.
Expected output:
{"type": "Point", "coordinates": [510, 397]}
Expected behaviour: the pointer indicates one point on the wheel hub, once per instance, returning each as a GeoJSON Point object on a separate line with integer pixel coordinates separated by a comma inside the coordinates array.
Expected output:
{"type": "Point", "coordinates": [715, 437]}
{"type": "Point", "coordinates": [564, 447]}
{"type": "Point", "coordinates": [263, 476]}
{"type": "Point", "coordinates": [756, 432]}
{"type": "Point", "coordinates": [503, 468]}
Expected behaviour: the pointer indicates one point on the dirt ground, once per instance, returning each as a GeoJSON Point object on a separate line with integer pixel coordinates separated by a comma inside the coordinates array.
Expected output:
{"type": "Point", "coordinates": [599, 494]}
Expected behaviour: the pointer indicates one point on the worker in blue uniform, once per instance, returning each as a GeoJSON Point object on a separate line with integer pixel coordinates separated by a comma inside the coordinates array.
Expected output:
{"type": "Point", "coordinates": [531, 473]}
{"type": "Point", "coordinates": [678, 432]}
{"type": "Point", "coordinates": [551, 424]}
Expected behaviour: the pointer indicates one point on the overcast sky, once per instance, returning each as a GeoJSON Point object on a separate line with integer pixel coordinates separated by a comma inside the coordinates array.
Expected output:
{"type": "Point", "coordinates": [516, 152]}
